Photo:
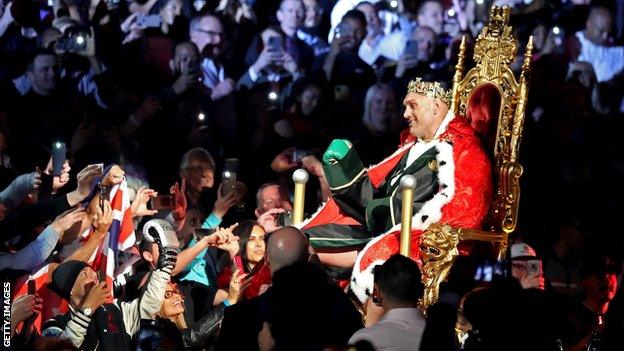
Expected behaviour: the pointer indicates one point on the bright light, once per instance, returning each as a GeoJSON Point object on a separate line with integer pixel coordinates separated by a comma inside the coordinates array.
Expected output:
{"type": "Point", "coordinates": [479, 2]}
{"type": "Point", "coordinates": [80, 40]}
{"type": "Point", "coordinates": [394, 4]}
{"type": "Point", "coordinates": [201, 116]}
{"type": "Point", "coordinates": [57, 145]}
{"type": "Point", "coordinates": [451, 12]}
{"type": "Point", "coordinates": [556, 30]}
{"type": "Point", "coordinates": [272, 96]}
{"type": "Point", "coordinates": [227, 174]}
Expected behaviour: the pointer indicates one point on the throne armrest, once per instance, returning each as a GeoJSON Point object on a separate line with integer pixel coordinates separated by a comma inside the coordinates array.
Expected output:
{"type": "Point", "coordinates": [438, 250]}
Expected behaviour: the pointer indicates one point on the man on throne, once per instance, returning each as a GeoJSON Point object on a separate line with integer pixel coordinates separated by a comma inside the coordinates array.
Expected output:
{"type": "Point", "coordinates": [359, 226]}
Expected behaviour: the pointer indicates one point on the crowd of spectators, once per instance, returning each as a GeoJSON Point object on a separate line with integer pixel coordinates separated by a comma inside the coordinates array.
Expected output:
{"type": "Point", "coordinates": [218, 102]}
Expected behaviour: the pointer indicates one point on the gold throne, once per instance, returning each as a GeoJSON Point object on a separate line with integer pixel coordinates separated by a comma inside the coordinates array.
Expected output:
{"type": "Point", "coordinates": [488, 95]}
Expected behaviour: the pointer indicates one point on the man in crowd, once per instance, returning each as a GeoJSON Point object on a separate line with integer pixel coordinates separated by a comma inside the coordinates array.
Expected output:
{"type": "Point", "coordinates": [366, 204]}
{"type": "Point", "coordinates": [93, 322]}
{"type": "Point", "coordinates": [397, 290]}
{"type": "Point", "coordinates": [526, 267]}
{"type": "Point", "coordinates": [207, 33]}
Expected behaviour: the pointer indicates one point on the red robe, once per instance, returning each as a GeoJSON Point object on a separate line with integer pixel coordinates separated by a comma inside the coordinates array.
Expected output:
{"type": "Point", "coordinates": [462, 200]}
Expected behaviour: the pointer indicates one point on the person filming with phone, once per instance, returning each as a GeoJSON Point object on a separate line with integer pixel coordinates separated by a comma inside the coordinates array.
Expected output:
{"type": "Point", "coordinates": [526, 267]}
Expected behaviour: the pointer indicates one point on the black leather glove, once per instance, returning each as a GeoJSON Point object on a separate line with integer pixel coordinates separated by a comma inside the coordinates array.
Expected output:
{"type": "Point", "coordinates": [204, 328]}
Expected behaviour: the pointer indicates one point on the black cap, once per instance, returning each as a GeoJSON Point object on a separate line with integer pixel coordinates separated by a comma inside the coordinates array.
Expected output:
{"type": "Point", "coordinates": [64, 277]}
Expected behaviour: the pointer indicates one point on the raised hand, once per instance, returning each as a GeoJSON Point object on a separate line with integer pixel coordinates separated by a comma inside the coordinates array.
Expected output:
{"type": "Point", "coordinates": [97, 296]}
{"type": "Point", "coordinates": [67, 220]}
{"type": "Point", "coordinates": [102, 218]}
{"type": "Point", "coordinates": [139, 205]}
{"type": "Point", "coordinates": [223, 203]}
{"type": "Point", "coordinates": [268, 220]}
{"type": "Point", "coordinates": [179, 212]}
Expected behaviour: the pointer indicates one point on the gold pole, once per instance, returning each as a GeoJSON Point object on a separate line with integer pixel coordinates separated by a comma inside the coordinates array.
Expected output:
{"type": "Point", "coordinates": [300, 177]}
{"type": "Point", "coordinates": [408, 183]}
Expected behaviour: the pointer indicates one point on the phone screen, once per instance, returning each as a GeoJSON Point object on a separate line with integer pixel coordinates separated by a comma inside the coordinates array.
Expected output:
{"type": "Point", "coordinates": [163, 202]}
{"type": "Point", "coordinates": [275, 44]}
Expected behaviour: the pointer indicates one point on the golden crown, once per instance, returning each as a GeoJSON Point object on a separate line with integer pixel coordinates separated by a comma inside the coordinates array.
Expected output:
{"type": "Point", "coordinates": [433, 90]}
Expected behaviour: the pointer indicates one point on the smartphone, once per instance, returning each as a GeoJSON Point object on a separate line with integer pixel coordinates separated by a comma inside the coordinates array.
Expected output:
{"type": "Point", "coordinates": [284, 219]}
{"type": "Point", "coordinates": [149, 21]}
{"type": "Point", "coordinates": [163, 202]}
{"type": "Point", "coordinates": [487, 271]}
{"type": "Point", "coordinates": [297, 155]}
{"type": "Point", "coordinates": [229, 176]}
{"type": "Point", "coordinates": [534, 267]}
{"type": "Point", "coordinates": [238, 262]}
{"type": "Point", "coordinates": [45, 189]}
{"type": "Point", "coordinates": [32, 287]}
{"type": "Point", "coordinates": [411, 47]}
{"type": "Point", "coordinates": [59, 155]}
{"type": "Point", "coordinates": [557, 35]}
{"type": "Point", "coordinates": [275, 44]}
{"type": "Point", "coordinates": [343, 29]}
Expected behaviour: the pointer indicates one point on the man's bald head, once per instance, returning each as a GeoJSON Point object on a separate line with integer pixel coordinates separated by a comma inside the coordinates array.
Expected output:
{"type": "Point", "coordinates": [286, 246]}
{"type": "Point", "coordinates": [599, 26]}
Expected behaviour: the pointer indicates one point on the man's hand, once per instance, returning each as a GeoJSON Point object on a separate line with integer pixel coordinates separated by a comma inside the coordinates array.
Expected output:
{"type": "Point", "coordinates": [406, 61]}
{"type": "Point", "coordinates": [114, 176]}
{"type": "Point", "coordinates": [268, 220]}
{"type": "Point", "coordinates": [187, 78]}
{"type": "Point", "coordinates": [102, 219]}
{"type": "Point", "coordinates": [313, 165]}
{"type": "Point", "coordinates": [533, 281]}
{"type": "Point", "coordinates": [24, 308]}
{"type": "Point", "coordinates": [266, 59]}
{"type": "Point", "coordinates": [222, 89]}
{"type": "Point", "coordinates": [85, 178]}
{"type": "Point", "coordinates": [283, 161]}
{"type": "Point", "coordinates": [97, 296]}
{"type": "Point", "coordinates": [67, 220]}
{"type": "Point", "coordinates": [59, 181]}
{"type": "Point", "coordinates": [139, 205]}
{"type": "Point", "coordinates": [338, 43]}
{"type": "Point", "coordinates": [179, 192]}
{"type": "Point", "coordinates": [223, 203]}
{"type": "Point", "coordinates": [289, 63]}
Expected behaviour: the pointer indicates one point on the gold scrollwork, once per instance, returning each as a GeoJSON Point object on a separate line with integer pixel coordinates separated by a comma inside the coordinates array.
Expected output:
{"type": "Point", "coordinates": [494, 50]}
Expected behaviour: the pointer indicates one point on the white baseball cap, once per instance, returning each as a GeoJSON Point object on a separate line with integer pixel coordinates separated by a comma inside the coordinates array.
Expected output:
{"type": "Point", "coordinates": [522, 251]}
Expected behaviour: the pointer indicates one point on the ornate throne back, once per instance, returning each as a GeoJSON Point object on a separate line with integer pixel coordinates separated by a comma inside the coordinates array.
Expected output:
{"type": "Point", "coordinates": [494, 101]}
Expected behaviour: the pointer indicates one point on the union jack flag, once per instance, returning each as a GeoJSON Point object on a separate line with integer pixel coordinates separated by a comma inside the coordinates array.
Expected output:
{"type": "Point", "coordinates": [120, 237]}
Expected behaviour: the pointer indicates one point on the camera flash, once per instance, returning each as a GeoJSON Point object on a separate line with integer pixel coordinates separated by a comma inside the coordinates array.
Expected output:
{"type": "Point", "coordinates": [201, 116]}
{"type": "Point", "coordinates": [479, 2]}
{"type": "Point", "coordinates": [79, 40]}
{"type": "Point", "coordinates": [227, 174]}
{"type": "Point", "coordinates": [272, 96]}
{"type": "Point", "coordinates": [556, 30]}
{"type": "Point", "coordinates": [451, 12]}
{"type": "Point", "coordinates": [57, 145]}
{"type": "Point", "coordinates": [394, 4]}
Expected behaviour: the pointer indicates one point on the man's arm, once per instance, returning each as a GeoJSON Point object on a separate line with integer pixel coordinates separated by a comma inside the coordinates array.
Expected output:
{"type": "Point", "coordinates": [148, 305]}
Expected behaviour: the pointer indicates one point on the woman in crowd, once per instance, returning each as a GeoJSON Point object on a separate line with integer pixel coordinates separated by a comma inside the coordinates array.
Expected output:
{"type": "Point", "coordinates": [251, 249]}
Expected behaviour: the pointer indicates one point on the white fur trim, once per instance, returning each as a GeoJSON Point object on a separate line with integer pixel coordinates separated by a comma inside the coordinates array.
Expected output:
{"type": "Point", "coordinates": [304, 223]}
{"type": "Point", "coordinates": [362, 281]}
